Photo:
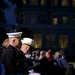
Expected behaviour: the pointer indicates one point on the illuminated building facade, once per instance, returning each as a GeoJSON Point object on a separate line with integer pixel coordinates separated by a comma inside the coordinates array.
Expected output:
{"type": "Point", "coordinates": [51, 21]}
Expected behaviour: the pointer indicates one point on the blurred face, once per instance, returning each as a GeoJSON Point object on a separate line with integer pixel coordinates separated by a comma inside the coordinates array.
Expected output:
{"type": "Point", "coordinates": [25, 48]}
{"type": "Point", "coordinates": [17, 42]}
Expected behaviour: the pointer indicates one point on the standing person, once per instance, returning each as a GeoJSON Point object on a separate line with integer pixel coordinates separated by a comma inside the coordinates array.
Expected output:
{"type": "Point", "coordinates": [8, 57]}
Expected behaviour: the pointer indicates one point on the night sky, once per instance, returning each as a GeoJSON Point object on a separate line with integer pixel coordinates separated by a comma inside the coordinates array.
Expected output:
{"type": "Point", "coordinates": [9, 14]}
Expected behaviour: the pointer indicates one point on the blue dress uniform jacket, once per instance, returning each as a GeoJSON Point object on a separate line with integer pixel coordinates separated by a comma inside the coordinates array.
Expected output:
{"type": "Point", "coordinates": [10, 60]}
{"type": "Point", "coordinates": [21, 64]}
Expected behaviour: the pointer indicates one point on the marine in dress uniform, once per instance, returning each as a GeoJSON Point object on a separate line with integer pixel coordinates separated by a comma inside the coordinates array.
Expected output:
{"type": "Point", "coordinates": [8, 57]}
{"type": "Point", "coordinates": [27, 45]}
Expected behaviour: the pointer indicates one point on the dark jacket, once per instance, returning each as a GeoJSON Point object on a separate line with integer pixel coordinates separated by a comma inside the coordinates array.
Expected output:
{"type": "Point", "coordinates": [8, 59]}
{"type": "Point", "coordinates": [22, 64]}
{"type": "Point", "coordinates": [1, 51]}
{"type": "Point", "coordinates": [11, 62]}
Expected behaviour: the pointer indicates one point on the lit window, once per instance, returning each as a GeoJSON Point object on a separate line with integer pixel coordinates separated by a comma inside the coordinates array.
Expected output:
{"type": "Point", "coordinates": [38, 40]}
{"type": "Point", "coordinates": [33, 19]}
{"type": "Point", "coordinates": [50, 40]}
{"type": "Point", "coordinates": [24, 2]}
{"type": "Point", "coordinates": [74, 2]}
{"type": "Point", "coordinates": [42, 2]}
{"type": "Point", "coordinates": [73, 20]}
{"type": "Point", "coordinates": [65, 20]}
{"type": "Point", "coordinates": [55, 21]}
{"type": "Point", "coordinates": [63, 41]}
{"type": "Point", "coordinates": [55, 2]}
{"type": "Point", "coordinates": [64, 2]}
{"type": "Point", "coordinates": [33, 2]}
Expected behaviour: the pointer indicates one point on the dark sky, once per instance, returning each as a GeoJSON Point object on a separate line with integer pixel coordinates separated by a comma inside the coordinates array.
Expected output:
{"type": "Point", "coordinates": [9, 14]}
